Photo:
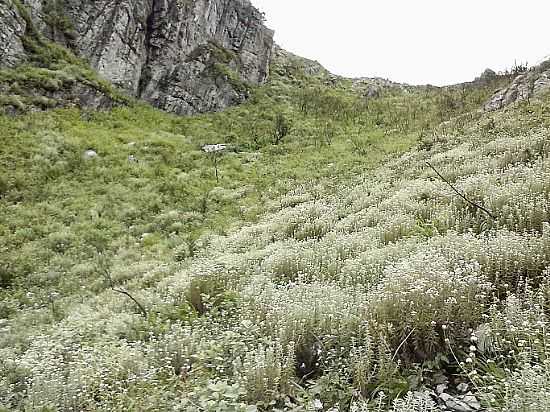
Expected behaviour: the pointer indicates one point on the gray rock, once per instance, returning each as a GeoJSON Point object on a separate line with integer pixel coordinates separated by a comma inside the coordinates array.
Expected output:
{"type": "Point", "coordinates": [90, 154]}
{"type": "Point", "coordinates": [471, 400]}
{"type": "Point", "coordinates": [442, 387]}
{"type": "Point", "coordinates": [464, 403]}
{"type": "Point", "coordinates": [486, 77]}
{"type": "Point", "coordinates": [13, 29]}
{"type": "Point", "coordinates": [528, 85]}
{"type": "Point", "coordinates": [182, 56]}
{"type": "Point", "coordinates": [317, 405]}
{"type": "Point", "coordinates": [214, 148]}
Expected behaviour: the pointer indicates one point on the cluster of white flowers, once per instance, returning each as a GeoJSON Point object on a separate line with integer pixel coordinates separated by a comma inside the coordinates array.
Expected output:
{"type": "Point", "coordinates": [396, 255]}
{"type": "Point", "coordinates": [415, 402]}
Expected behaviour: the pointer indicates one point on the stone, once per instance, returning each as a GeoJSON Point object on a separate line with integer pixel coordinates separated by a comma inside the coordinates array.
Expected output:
{"type": "Point", "coordinates": [214, 148]}
{"type": "Point", "coordinates": [454, 404]}
{"type": "Point", "coordinates": [90, 154]}
{"type": "Point", "coordinates": [442, 387]}
{"type": "Point", "coordinates": [530, 84]}
{"type": "Point", "coordinates": [465, 403]}
{"type": "Point", "coordinates": [486, 77]}
{"type": "Point", "coordinates": [317, 405]}
{"type": "Point", "coordinates": [471, 400]}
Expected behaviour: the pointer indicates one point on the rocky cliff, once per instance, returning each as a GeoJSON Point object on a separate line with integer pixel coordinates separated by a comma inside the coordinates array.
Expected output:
{"type": "Point", "coordinates": [184, 56]}
{"type": "Point", "coordinates": [13, 28]}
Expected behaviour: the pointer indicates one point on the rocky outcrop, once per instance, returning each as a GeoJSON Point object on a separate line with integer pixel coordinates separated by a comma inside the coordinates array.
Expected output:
{"type": "Point", "coordinates": [218, 49]}
{"type": "Point", "coordinates": [486, 77]}
{"type": "Point", "coordinates": [184, 56]}
{"type": "Point", "coordinates": [530, 84]}
{"type": "Point", "coordinates": [372, 87]}
{"type": "Point", "coordinates": [288, 64]}
{"type": "Point", "coordinates": [292, 67]}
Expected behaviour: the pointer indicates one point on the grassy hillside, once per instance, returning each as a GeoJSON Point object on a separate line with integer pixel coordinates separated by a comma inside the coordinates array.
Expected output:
{"type": "Point", "coordinates": [324, 262]}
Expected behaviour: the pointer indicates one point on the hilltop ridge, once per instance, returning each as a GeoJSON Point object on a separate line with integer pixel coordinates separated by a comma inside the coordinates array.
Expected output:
{"type": "Point", "coordinates": [183, 58]}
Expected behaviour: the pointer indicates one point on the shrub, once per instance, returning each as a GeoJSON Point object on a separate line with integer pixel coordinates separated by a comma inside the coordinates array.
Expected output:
{"type": "Point", "coordinates": [426, 299]}
{"type": "Point", "coordinates": [281, 128]}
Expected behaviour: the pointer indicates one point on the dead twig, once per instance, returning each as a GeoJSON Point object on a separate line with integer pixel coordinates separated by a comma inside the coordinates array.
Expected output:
{"type": "Point", "coordinates": [402, 343]}
{"type": "Point", "coordinates": [109, 279]}
{"type": "Point", "coordinates": [139, 305]}
{"type": "Point", "coordinates": [462, 195]}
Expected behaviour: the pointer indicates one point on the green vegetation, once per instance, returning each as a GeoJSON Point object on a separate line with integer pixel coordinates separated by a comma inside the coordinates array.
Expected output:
{"type": "Point", "coordinates": [316, 263]}
{"type": "Point", "coordinates": [56, 19]}
{"type": "Point", "coordinates": [223, 70]}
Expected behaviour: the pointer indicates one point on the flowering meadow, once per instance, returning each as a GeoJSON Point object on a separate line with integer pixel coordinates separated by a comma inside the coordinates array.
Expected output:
{"type": "Point", "coordinates": [380, 289]}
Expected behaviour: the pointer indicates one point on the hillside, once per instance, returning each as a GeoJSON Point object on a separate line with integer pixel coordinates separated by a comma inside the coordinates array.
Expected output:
{"type": "Point", "coordinates": [355, 245]}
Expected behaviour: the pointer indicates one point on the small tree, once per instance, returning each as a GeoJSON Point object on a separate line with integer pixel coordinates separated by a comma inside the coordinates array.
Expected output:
{"type": "Point", "coordinates": [328, 132]}
{"type": "Point", "coordinates": [281, 129]}
{"type": "Point", "coordinates": [258, 132]}
{"type": "Point", "coordinates": [215, 151]}
{"type": "Point", "coordinates": [519, 68]}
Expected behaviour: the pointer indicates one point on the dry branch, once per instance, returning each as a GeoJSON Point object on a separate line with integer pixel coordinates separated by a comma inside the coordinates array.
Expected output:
{"type": "Point", "coordinates": [461, 194]}
{"type": "Point", "coordinates": [112, 286]}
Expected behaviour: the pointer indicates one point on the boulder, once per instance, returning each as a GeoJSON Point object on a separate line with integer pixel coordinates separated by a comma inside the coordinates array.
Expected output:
{"type": "Point", "coordinates": [90, 154]}
{"type": "Point", "coordinates": [214, 148]}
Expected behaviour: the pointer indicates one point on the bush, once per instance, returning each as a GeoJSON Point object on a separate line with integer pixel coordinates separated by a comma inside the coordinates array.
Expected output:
{"type": "Point", "coordinates": [426, 299]}
{"type": "Point", "coordinates": [281, 128]}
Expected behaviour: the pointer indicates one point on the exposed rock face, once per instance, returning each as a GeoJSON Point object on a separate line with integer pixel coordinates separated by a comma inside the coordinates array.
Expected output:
{"type": "Point", "coordinates": [287, 62]}
{"type": "Point", "coordinates": [216, 44]}
{"type": "Point", "coordinates": [372, 87]}
{"type": "Point", "coordinates": [524, 87]}
{"type": "Point", "coordinates": [184, 56]}
{"type": "Point", "coordinates": [13, 27]}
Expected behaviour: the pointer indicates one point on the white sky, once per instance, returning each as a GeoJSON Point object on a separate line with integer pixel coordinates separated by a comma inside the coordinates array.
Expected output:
{"type": "Point", "coordinates": [413, 41]}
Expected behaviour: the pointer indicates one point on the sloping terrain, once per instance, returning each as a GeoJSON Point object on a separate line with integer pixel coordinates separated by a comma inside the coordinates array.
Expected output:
{"type": "Point", "coordinates": [323, 261]}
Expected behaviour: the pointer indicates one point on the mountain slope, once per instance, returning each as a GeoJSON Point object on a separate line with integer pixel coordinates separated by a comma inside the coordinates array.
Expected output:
{"type": "Point", "coordinates": [321, 261]}
{"type": "Point", "coordinates": [303, 266]}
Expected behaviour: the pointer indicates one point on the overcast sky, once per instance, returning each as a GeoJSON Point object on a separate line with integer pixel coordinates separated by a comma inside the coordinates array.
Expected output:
{"type": "Point", "coordinates": [413, 41]}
